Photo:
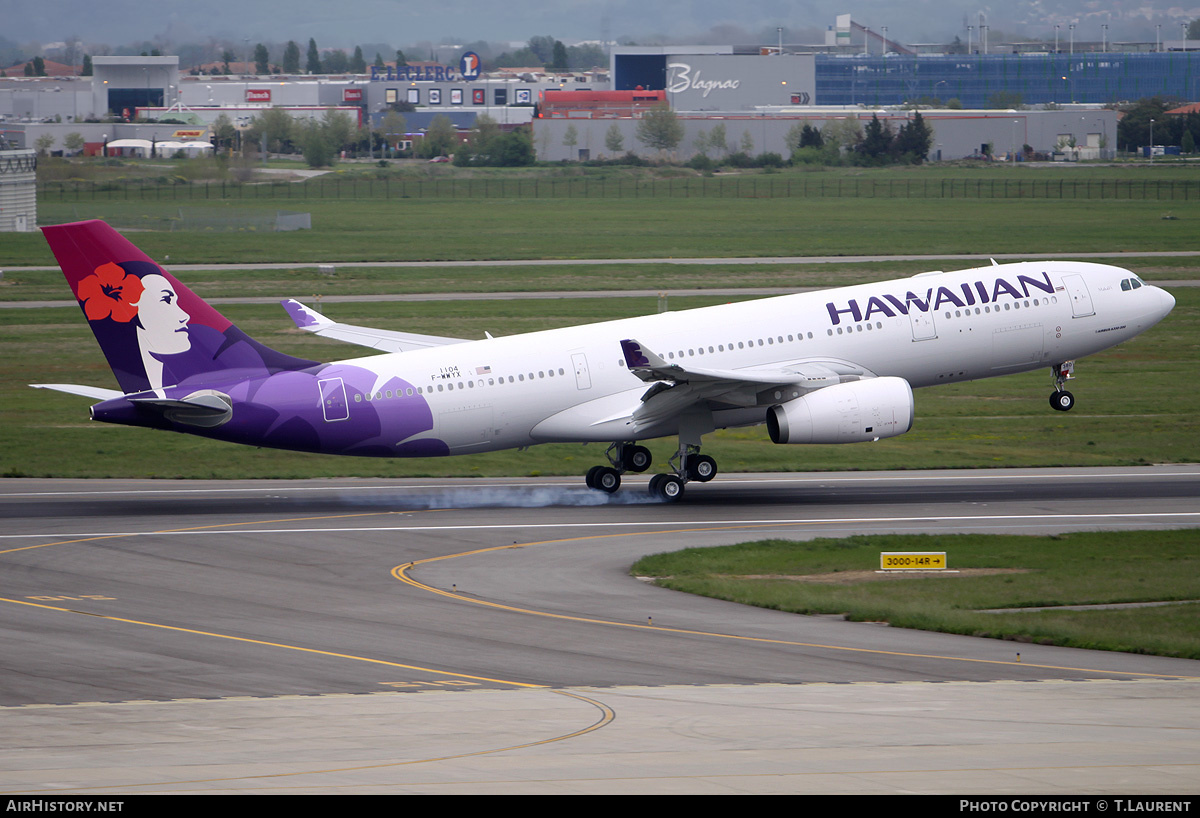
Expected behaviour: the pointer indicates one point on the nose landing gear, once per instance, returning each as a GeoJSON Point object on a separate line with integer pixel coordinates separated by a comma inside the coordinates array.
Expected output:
{"type": "Point", "coordinates": [1062, 400]}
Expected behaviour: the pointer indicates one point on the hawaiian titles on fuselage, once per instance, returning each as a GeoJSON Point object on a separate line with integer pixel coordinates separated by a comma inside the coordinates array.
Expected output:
{"type": "Point", "coordinates": [964, 295]}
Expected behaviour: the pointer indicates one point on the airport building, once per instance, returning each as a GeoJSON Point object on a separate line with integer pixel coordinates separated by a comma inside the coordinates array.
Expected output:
{"type": "Point", "coordinates": [756, 94]}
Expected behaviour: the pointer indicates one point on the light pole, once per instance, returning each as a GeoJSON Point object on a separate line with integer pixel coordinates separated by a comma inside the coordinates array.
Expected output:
{"type": "Point", "coordinates": [885, 49]}
{"type": "Point", "coordinates": [1056, 38]}
{"type": "Point", "coordinates": [983, 32]}
{"type": "Point", "coordinates": [1104, 36]}
{"type": "Point", "coordinates": [1152, 141]}
{"type": "Point", "coordinates": [970, 30]}
{"type": "Point", "coordinates": [1014, 141]}
{"type": "Point", "coordinates": [1072, 28]}
{"type": "Point", "coordinates": [1158, 38]}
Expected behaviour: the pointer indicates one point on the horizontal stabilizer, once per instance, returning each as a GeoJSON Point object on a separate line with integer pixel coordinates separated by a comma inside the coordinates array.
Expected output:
{"type": "Point", "coordinates": [94, 392]}
{"type": "Point", "coordinates": [309, 320]}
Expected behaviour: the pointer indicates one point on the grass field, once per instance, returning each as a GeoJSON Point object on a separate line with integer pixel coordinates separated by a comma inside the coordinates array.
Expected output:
{"type": "Point", "coordinates": [578, 228]}
{"type": "Point", "coordinates": [827, 576]}
{"type": "Point", "coordinates": [567, 226]}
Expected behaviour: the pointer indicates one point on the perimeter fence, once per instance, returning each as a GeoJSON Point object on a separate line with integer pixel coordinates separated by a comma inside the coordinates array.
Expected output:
{"type": "Point", "coordinates": [766, 186]}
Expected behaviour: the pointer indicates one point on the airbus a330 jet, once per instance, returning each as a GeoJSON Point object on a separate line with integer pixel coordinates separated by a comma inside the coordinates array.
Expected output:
{"type": "Point", "coordinates": [834, 366]}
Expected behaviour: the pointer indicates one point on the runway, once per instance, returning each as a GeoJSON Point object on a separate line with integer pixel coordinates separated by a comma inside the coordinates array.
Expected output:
{"type": "Point", "coordinates": [457, 636]}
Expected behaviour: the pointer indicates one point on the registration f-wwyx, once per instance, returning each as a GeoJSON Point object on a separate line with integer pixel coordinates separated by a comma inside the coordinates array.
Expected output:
{"type": "Point", "coordinates": [836, 366]}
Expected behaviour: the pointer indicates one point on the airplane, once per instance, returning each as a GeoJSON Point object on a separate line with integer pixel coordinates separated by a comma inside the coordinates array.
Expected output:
{"type": "Point", "coordinates": [832, 366]}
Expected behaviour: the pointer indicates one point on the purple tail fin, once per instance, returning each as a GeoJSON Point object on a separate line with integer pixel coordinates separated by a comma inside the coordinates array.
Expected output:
{"type": "Point", "coordinates": [153, 330]}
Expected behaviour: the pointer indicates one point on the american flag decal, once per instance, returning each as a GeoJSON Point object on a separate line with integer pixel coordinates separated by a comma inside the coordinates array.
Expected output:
{"type": "Point", "coordinates": [483, 370]}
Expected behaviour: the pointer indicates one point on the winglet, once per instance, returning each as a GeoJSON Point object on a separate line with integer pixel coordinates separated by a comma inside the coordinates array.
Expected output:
{"type": "Point", "coordinates": [304, 317]}
{"type": "Point", "coordinates": [638, 356]}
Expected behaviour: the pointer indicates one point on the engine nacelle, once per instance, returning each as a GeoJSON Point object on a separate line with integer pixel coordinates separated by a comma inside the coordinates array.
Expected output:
{"type": "Point", "coordinates": [851, 412]}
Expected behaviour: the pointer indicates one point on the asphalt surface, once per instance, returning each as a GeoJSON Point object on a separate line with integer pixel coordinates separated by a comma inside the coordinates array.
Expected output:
{"type": "Point", "coordinates": [485, 636]}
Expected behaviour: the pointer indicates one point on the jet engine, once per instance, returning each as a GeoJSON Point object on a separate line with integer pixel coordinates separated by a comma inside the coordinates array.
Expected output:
{"type": "Point", "coordinates": [851, 412]}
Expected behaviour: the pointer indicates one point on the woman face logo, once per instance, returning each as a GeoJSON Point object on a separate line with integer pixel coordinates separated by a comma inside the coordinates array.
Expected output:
{"type": "Point", "coordinates": [164, 323]}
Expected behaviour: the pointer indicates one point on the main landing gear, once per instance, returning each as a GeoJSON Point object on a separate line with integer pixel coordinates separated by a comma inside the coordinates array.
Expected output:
{"type": "Point", "coordinates": [1062, 400]}
{"type": "Point", "coordinates": [624, 457]}
{"type": "Point", "coordinates": [686, 465]}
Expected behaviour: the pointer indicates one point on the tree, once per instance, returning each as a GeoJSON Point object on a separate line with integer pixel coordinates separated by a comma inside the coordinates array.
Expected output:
{"type": "Point", "coordinates": [543, 48]}
{"type": "Point", "coordinates": [358, 63]}
{"type": "Point", "coordinates": [39, 67]}
{"type": "Point", "coordinates": [276, 126]}
{"type": "Point", "coordinates": [44, 143]}
{"type": "Point", "coordinates": [401, 60]}
{"type": "Point", "coordinates": [747, 143]}
{"type": "Point", "coordinates": [440, 139]}
{"type": "Point", "coordinates": [73, 142]}
{"type": "Point", "coordinates": [87, 65]}
{"type": "Point", "coordinates": [717, 139]}
{"type": "Point", "coordinates": [513, 149]}
{"type": "Point", "coordinates": [1133, 129]}
{"type": "Point", "coordinates": [914, 140]}
{"type": "Point", "coordinates": [291, 58]}
{"type": "Point", "coordinates": [480, 144]}
{"type": "Point", "coordinates": [559, 63]}
{"type": "Point", "coordinates": [223, 132]}
{"type": "Point", "coordinates": [316, 145]}
{"type": "Point", "coordinates": [227, 58]}
{"type": "Point", "coordinates": [335, 62]}
{"type": "Point", "coordinates": [571, 138]}
{"type": "Point", "coordinates": [262, 60]}
{"type": "Point", "coordinates": [842, 135]}
{"type": "Point", "coordinates": [312, 63]}
{"type": "Point", "coordinates": [584, 57]}
{"type": "Point", "coordinates": [614, 142]}
{"type": "Point", "coordinates": [700, 143]}
{"type": "Point", "coordinates": [339, 127]}
{"type": "Point", "coordinates": [876, 142]}
{"type": "Point", "coordinates": [394, 128]}
{"type": "Point", "coordinates": [659, 128]}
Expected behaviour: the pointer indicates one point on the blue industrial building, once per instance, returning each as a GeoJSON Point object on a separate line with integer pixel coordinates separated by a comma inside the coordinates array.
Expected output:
{"type": "Point", "coordinates": [1038, 78]}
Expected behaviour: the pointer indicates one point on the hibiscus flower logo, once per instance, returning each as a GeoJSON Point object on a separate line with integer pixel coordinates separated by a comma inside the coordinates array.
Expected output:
{"type": "Point", "coordinates": [110, 292]}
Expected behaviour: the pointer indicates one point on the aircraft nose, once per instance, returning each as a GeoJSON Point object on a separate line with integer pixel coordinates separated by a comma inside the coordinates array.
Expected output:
{"type": "Point", "coordinates": [1168, 301]}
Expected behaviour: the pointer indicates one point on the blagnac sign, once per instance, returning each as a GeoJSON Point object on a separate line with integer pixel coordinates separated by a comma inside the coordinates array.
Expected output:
{"type": "Point", "coordinates": [682, 77]}
{"type": "Point", "coordinates": [733, 82]}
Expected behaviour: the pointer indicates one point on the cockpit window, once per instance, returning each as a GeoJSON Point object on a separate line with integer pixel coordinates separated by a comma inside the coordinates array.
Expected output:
{"type": "Point", "coordinates": [1137, 282]}
{"type": "Point", "coordinates": [1125, 285]}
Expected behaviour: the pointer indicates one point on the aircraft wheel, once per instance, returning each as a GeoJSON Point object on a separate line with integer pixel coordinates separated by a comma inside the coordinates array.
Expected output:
{"type": "Point", "coordinates": [606, 479]}
{"type": "Point", "coordinates": [701, 468]}
{"type": "Point", "coordinates": [666, 487]}
{"type": "Point", "coordinates": [590, 477]}
{"type": "Point", "coordinates": [1062, 400]}
{"type": "Point", "coordinates": [636, 458]}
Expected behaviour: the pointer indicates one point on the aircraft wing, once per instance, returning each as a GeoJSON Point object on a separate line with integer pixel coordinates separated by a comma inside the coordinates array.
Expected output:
{"type": "Point", "coordinates": [677, 387]}
{"type": "Point", "coordinates": [312, 321]}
